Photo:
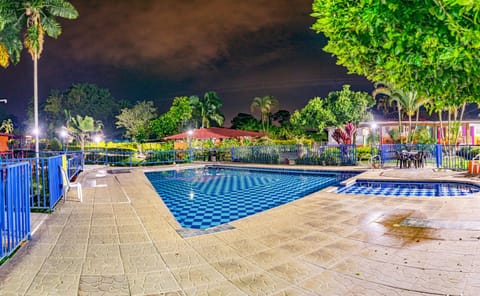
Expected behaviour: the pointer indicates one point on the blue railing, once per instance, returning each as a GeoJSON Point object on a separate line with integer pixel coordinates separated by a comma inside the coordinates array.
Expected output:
{"type": "Point", "coordinates": [14, 206]}
{"type": "Point", "coordinates": [45, 188]}
{"type": "Point", "coordinates": [298, 154]}
{"type": "Point", "coordinates": [455, 157]}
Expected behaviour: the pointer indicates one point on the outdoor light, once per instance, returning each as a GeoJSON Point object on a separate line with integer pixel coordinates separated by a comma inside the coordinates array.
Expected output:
{"type": "Point", "coordinates": [97, 139]}
{"type": "Point", "coordinates": [190, 133]}
{"type": "Point", "coordinates": [63, 134]}
{"type": "Point", "coordinates": [35, 131]}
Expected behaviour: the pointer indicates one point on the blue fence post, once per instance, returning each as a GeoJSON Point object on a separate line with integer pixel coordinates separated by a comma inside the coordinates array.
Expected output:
{"type": "Point", "coordinates": [438, 155]}
{"type": "Point", "coordinates": [131, 159]}
{"type": "Point", "coordinates": [232, 154]}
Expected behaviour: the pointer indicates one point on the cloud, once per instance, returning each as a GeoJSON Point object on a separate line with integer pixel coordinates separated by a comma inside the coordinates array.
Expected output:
{"type": "Point", "coordinates": [176, 37]}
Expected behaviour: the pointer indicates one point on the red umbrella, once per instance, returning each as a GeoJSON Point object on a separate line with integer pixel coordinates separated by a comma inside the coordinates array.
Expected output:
{"type": "Point", "coordinates": [214, 133]}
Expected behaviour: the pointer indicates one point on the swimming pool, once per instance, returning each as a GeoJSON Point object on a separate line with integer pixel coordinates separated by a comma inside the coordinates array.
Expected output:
{"type": "Point", "coordinates": [201, 198]}
{"type": "Point", "coordinates": [408, 188]}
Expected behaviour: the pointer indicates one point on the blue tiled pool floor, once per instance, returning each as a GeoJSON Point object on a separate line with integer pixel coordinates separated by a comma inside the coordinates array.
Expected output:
{"type": "Point", "coordinates": [207, 197]}
{"type": "Point", "coordinates": [392, 188]}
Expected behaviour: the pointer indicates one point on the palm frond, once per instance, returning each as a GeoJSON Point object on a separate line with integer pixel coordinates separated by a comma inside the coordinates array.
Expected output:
{"type": "Point", "coordinates": [52, 27]}
{"type": "Point", "coordinates": [62, 8]}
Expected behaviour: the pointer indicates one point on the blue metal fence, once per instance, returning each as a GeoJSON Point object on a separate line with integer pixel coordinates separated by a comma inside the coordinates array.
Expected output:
{"type": "Point", "coordinates": [454, 157]}
{"type": "Point", "coordinates": [14, 206]}
{"type": "Point", "coordinates": [46, 179]}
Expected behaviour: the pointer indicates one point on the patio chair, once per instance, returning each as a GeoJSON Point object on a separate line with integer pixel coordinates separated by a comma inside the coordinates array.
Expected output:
{"type": "Point", "coordinates": [419, 159]}
{"type": "Point", "coordinates": [67, 185]}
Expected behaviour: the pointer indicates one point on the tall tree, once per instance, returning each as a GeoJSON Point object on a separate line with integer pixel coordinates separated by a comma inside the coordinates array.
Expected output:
{"type": "Point", "coordinates": [349, 106]}
{"type": "Point", "coordinates": [245, 121]}
{"type": "Point", "coordinates": [136, 120]}
{"type": "Point", "coordinates": [174, 120]}
{"type": "Point", "coordinates": [82, 99]}
{"type": "Point", "coordinates": [265, 105]}
{"type": "Point", "coordinates": [206, 110]}
{"type": "Point", "coordinates": [39, 18]}
{"type": "Point", "coordinates": [314, 116]}
{"type": "Point", "coordinates": [81, 128]}
{"type": "Point", "coordinates": [282, 117]}
{"type": "Point", "coordinates": [429, 46]}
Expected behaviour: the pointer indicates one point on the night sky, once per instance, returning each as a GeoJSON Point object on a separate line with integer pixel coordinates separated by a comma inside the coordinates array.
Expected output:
{"type": "Point", "coordinates": [156, 50]}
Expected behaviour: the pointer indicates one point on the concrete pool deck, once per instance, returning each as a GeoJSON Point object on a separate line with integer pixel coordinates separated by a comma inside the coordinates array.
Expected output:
{"type": "Point", "coordinates": [122, 240]}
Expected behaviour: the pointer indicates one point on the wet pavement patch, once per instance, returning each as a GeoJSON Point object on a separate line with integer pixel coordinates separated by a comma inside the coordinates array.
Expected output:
{"type": "Point", "coordinates": [441, 224]}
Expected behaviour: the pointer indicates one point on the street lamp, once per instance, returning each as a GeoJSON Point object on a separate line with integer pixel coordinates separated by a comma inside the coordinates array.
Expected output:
{"type": "Point", "coordinates": [97, 139]}
{"type": "Point", "coordinates": [374, 127]}
{"type": "Point", "coordinates": [64, 135]}
{"type": "Point", "coordinates": [190, 133]}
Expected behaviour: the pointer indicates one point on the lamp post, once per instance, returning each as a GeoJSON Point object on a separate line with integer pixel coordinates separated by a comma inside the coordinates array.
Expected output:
{"type": "Point", "coordinates": [374, 127]}
{"type": "Point", "coordinates": [190, 133]}
{"type": "Point", "coordinates": [64, 135]}
{"type": "Point", "coordinates": [97, 140]}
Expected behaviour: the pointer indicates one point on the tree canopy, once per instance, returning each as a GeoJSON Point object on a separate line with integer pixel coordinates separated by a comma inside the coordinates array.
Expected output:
{"type": "Point", "coordinates": [82, 99]}
{"type": "Point", "coordinates": [174, 120]}
{"type": "Point", "coordinates": [206, 109]}
{"type": "Point", "coordinates": [337, 109]}
{"type": "Point", "coordinates": [430, 46]}
{"type": "Point", "coordinates": [136, 120]}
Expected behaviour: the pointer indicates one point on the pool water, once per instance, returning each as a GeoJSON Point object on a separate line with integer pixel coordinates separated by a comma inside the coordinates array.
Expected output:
{"type": "Point", "coordinates": [399, 188]}
{"type": "Point", "coordinates": [205, 197]}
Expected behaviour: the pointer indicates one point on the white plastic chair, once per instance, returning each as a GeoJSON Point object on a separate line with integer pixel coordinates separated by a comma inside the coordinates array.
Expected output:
{"type": "Point", "coordinates": [67, 185]}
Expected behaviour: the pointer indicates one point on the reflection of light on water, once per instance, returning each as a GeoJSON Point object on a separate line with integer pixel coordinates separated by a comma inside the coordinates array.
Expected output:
{"type": "Point", "coordinates": [191, 195]}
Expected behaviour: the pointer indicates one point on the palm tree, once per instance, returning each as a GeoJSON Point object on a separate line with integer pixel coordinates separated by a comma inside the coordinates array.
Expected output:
{"type": "Point", "coordinates": [207, 109]}
{"type": "Point", "coordinates": [39, 18]}
{"type": "Point", "coordinates": [81, 128]}
{"type": "Point", "coordinates": [266, 105]}
{"type": "Point", "coordinates": [408, 102]}
{"type": "Point", "coordinates": [10, 44]}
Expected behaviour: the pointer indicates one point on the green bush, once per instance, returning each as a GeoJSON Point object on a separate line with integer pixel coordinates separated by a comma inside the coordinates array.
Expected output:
{"type": "Point", "coordinates": [55, 144]}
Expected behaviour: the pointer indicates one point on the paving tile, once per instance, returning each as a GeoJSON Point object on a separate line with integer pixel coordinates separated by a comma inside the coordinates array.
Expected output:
{"type": "Point", "coordinates": [440, 282]}
{"type": "Point", "coordinates": [62, 265]}
{"type": "Point", "coordinates": [103, 285]}
{"type": "Point", "coordinates": [216, 252]}
{"type": "Point", "coordinates": [103, 230]}
{"type": "Point", "coordinates": [196, 276]}
{"type": "Point", "coordinates": [259, 283]}
{"type": "Point", "coordinates": [137, 249]}
{"type": "Point", "coordinates": [15, 283]}
{"type": "Point", "coordinates": [246, 247]}
{"type": "Point", "coordinates": [103, 239]}
{"type": "Point", "coordinates": [327, 283]}
{"type": "Point", "coordinates": [35, 249]}
{"type": "Point", "coordinates": [235, 267]}
{"type": "Point", "coordinates": [142, 264]}
{"type": "Point", "coordinates": [269, 258]}
{"type": "Point", "coordinates": [295, 271]}
{"type": "Point", "coordinates": [103, 266]}
{"type": "Point", "coordinates": [223, 288]}
{"type": "Point", "coordinates": [132, 237]}
{"type": "Point", "coordinates": [182, 258]}
{"type": "Point", "coordinates": [152, 283]}
{"type": "Point", "coordinates": [294, 291]}
{"type": "Point", "coordinates": [70, 249]}
{"type": "Point", "coordinates": [103, 250]}
{"type": "Point", "coordinates": [54, 284]}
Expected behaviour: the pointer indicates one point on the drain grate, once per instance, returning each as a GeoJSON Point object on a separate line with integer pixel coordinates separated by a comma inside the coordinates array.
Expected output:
{"type": "Point", "coordinates": [119, 171]}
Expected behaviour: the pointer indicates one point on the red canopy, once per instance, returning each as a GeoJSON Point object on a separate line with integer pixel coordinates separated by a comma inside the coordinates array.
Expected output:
{"type": "Point", "coordinates": [214, 133]}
